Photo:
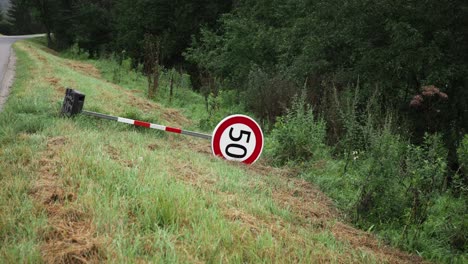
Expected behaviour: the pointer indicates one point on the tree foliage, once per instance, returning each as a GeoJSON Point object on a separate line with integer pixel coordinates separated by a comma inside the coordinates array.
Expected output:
{"type": "Point", "coordinates": [24, 17]}
{"type": "Point", "coordinates": [5, 26]}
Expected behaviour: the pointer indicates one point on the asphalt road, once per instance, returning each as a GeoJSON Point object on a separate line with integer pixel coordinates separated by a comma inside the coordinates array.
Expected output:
{"type": "Point", "coordinates": [7, 67]}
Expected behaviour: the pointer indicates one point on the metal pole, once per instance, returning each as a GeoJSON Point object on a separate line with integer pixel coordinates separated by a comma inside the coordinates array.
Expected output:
{"type": "Point", "coordinates": [148, 125]}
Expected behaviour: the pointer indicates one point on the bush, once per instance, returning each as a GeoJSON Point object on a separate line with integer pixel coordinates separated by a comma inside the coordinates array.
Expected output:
{"type": "Point", "coordinates": [76, 53]}
{"type": "Point", "coordinates": [220, 106]}
{"type": "Point", "coordinates": [5, 28]}
{"type": "Point", "coordinates": [445, 232]}
{"type": "Point", "coordinates": [268, 94]}
{"type": "Point", "coordinates": [298, 136]}
{"type": "Point", "coordinates": [460, 179]}
{"type": "Point", "coordinates": [463, 154]}
{"type": "Point", "coordinates": [426, 167]}
{"type": "Point", "coordinates": [382, 198]}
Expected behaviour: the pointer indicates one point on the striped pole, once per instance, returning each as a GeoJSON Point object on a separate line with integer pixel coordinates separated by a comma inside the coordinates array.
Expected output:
{"type": "Point", "coordinates": [148, 125]}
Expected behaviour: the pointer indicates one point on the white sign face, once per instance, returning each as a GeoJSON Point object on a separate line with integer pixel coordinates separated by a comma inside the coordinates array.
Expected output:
{"type": "Point", "coordinates": [238, 138]}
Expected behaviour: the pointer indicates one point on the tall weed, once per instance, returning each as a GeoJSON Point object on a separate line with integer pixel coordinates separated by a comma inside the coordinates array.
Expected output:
{"type": "Point", "coordinates": [299, 136]}
{"type": "Point", "coordinates": [463, 153]}
{"type": "Point", "coordinates": [426, 168]}
{"type": "Point", "coordinates": [382, 197]}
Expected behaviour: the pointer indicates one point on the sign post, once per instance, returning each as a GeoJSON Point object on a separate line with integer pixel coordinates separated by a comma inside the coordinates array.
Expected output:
{"type": "Point", "coordinates": [237, 137]}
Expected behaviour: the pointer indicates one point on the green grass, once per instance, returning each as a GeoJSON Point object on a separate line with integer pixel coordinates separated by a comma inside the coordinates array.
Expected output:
{"type": "Point", "coordinates": [146, 195]}
{"type": "Point", "coordinates": [19, 218]}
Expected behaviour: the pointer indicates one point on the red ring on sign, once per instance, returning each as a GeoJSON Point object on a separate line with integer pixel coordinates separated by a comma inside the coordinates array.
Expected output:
{"type": "Point", "coordinates": [236, 119]}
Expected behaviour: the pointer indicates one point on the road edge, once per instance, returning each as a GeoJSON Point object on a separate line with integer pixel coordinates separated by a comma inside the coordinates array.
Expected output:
{"type": "Point", "coordinates": [8, 78]}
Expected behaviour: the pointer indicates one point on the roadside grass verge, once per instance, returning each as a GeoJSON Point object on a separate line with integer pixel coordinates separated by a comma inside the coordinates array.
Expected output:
{"type": "Point", "coordinates": [85, 189]}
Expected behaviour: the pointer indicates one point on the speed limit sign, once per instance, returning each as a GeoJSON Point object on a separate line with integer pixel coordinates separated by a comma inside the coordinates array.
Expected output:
{"type": "Point", "coordinates": [238, 138]}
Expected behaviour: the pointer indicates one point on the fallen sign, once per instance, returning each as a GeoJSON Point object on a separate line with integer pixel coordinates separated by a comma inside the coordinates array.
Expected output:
{"type": "Point", "coordinates": [237, 137]}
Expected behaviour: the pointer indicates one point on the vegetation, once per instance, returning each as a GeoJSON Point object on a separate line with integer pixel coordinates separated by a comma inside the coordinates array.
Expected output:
{"type": "Point", "coordinates": [299, 136]}
{"type": "Point", "coordinates": [94, 190]}
{"type": "Point", "coordinates": [368, 99]}
{"type": "Point", "coordinates": [390, 89]}
{"type": "Point", "coordinates": [4, 25]}
{"type": "Point", "coordinates": [393, 187]}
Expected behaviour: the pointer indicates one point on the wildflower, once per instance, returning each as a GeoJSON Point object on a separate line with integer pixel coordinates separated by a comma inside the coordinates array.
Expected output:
{"type": "Point", "coordinates": [430, 90]}
{"type": "Point", "coordinates": [416, 101]}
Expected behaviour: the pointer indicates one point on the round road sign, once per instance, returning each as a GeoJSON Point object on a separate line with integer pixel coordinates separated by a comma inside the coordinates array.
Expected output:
{"type": "Point", "coordinates": [238, 138]}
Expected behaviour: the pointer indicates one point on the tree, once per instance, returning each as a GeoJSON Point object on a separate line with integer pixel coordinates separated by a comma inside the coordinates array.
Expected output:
{"type": "Point", "coordinates": [152, 58]}
{"type": "Point", "coordinates": [5, 26]}
{"type": "Point", "coordinates": [91, 23]}
{"type": "Point", "coordinates": [23, 17]}
{"type": "Point", "coordinates": [46, 14]}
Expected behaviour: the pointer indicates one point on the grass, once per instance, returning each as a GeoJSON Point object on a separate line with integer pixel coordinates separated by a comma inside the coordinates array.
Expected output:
{"type": "Point", "coordinates": [95, 190]}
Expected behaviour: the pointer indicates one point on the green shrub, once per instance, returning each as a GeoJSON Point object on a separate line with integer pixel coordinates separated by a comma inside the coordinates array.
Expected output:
{"type": "Point", "coordinates": [460, 180]}
{"type": "Point", "coordinates": [463, 153]}
{"type": "Point", "coordinates": [76, 53]}
{"type": "Point", "coordinates": [268, 94]}
{"type": "Point", "coordinates": [219, 107]}
{"type": "Point", "coordinates": [382, 198]}
{"type": "Point", "coordinates": [445, 232]}
{"type": "Point", "coordinates": [298, 136]}
{"type": "Point", "coordinates": [426, 167]}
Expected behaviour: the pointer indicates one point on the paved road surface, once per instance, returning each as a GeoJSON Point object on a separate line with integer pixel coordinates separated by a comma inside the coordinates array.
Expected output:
{"type": "Point", "coordinates": [7, 67]}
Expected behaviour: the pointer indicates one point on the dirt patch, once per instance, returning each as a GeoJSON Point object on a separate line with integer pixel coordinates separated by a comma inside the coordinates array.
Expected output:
{"type": "Point", "coordinates": [274, 225]}
{"type": "Point", "coordinates": [85, 68]}
{"type": "Point", "coordinates": [52, 80]}
{"type": "Point", "coordinates": [366, 241]}
{"type": "Point", "coordinates": [70, 239]}
{"type": "Point", "coordinates": [55, 83]}
{"type": "Point", "coordinates": [294, 193]}
{"type": "Point", "coordinates": [261, 167]}
{"type": "Point", "coordinates": [36, 54]}
{"type": "Point", "coordinates": [197, 145]}
{"type": "Point", "coordinates": [174, 116]}
{"type": "Point", "coordinates": [305, 200]}
{"type": "Point", "coordinates": [70, 235]}
{"type": "Point", "coordinates": [192, 175]}
{"type": "Point", "coordinates": [51, 51]}
{"type": "Point", "coordinates": [171, 116]}
{"type": "Point", "coordinates": [201, 147]}
{"type": "Point", "coordinates": [113, 152]}
{"type": "Point", "coordinates": [153, 146]}
{"type": "Point", "coordinates": [115, 155]}
{"type": "Point", "coordinates": [140, 103]}
{"type": "Point", "coordinates": [136, 91]}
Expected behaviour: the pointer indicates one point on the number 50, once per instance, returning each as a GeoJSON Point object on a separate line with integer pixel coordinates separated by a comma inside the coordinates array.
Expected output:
{"type": "Point", "coordinates": [238, 146]}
